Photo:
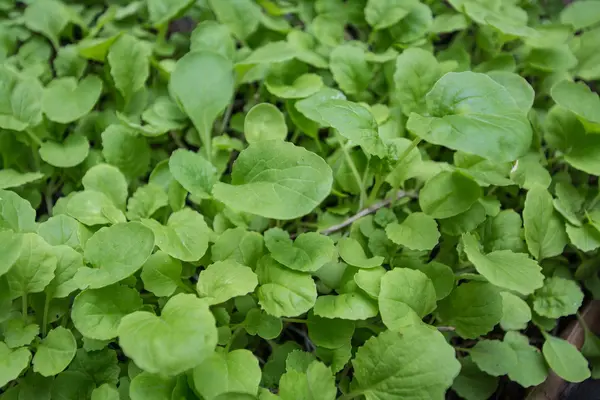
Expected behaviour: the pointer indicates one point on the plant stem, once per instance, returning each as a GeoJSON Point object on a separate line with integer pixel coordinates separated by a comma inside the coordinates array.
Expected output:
{"type": "Point", "coordinates": [227, 115]}
{"type": "Point", "coordinates": [354, 170]}
{"type": "Point", "coordinates": [415, 142]}
{"type": "Point", "coordinates": [232, 338]}
{"type": "Point", "coordinates": [45, 315]}
{"type": "Point", "coordinates": [25, 307]}
{"type": "Point", "coordinates": [463, 349]}
{"type": "Point", "coordinates": [185, 287]}
{"type": "Point", "coordinates": [373, 195]}
{"type": "Point", "coordinates": [295, 320]}
{"type": "Point", "coordinates": [351, 395]}
{"type": "Point", "coordinates": [33, 137]}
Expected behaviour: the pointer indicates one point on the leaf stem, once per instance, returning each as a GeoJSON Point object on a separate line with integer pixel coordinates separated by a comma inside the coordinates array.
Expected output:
{"type": "Point", "coordinates": [463, 349]}
{"type": "Point", "coordinates": [186, 287]}
{"type": "Point", "coordinates": [373, 195]}
{"type": "Point", "coordinates": [295, 320]}
{"type": "Point", "coordinates": [45, 315]}
{"type": "Point", "coordinates": [33, 137]}
{"type": "Point", "coordinates": [234, 335]}
{"type": "Point", "coordinates": [354, 170]}
{"type": "Point", "coordinates": [415, 142]}
{"type": "Point", "coordinates": [24, 305]}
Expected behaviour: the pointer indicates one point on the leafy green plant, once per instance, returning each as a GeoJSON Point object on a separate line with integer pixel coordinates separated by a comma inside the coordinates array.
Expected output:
{"type": "Point", "coordinates": [296, 199]}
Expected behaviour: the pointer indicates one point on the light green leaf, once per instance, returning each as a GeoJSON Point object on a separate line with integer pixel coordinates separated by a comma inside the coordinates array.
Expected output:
{"type": "Point", "coordinates": [382, 14]}
{"type": "Point", "coordinates": [240, 16]}
{"type": "Point", "coordinates": [115, 253]}
{"type": "Point", "coordinates": [185, 236]}
{"type": "Point", "coordinates": [352, 252]}
{"type": "Point", "coordinates": [203, 101]}
{"type": "Point", "coordinates": [126, 150]}
{"type": "Point", "coordinates": [161, 11]}
{"type": "Point", "coordinates": [558, 297]}
{"type": "Point", "coordinates": [212, 36]}
{"type": "Point", "coordinates": [485, 172]}
{"type": "Point", "coordinates": [531, 369]}
{"type": "Point", "coordinates": [276, 179]}
{"type": "Point", "coordinates": [16, 213]}
{"type": "Point", "coordinates": [317, 382]}
{"type": "Point", "coordinates": [48, 17]}
{"type": "Point", "coordinates": [472, 383]}
{"type": "Point", "coordinates": [284, 292]}
{"type": "Point", "coordinates": [417, 70]}
{"type": "Point", "coordinates": [518, 87]}
{"type": "Point", "coordinates": [55, 352]}
{"type": "Point", "coordinates": [161, 274]}
{"type": "Point", "coordinates": [239, 245]}
{"type": "Point", "coordinates": [307, 253]}
{"type": "Point", "coordinates": [196, 174]}
{"type": "Point", "coordinates": [441, 276]}
{"type": "Point", "coordinates": [297, 88]}
{"type": "Point", "coordinates": [129, 60]}
{"type": "Point", "coordinates": [109, 180]}
{"type": "Point", "coordinates": [471, 112]}
{"type": "Point", "coordinates": [66, 230]}
{"type": "Point", "coordinates": [414, 26]}
{"type": "Point", "coordinates": [417, 232]}
{"type": "Point", "coordinates": [503, 268]}
{"type": "Point", "coordinates": [515, 312]}
{"type": "Point", "coordinates": [448, 194]}
{"type": "Point", "coordinates": [503, 232]}
{"type": "Point", "coordinates": [544, 231]}
{"type": "Point", "coordinates": [494, 357]}
{"type": "Point", "coordinates": [329, 333]}
{"type": "Point", "coordinates": [411, 364]}
{"type": "Point", "coordinates": [17, 333]}
{"type": "Point", "coordinates": [21, 106]}
{"type": "Point", "coordinates": [264, 121]}
{"type": "Point", "coordinates": [146, 201]}
{"type": "Point", "coordinates": [350, 69]}
{"type": "Point", "coordinates": [235, 372]}
{"type": "Point", "coordinates": [105, 392]}
{"type": "Point", "coordinates": [579, 99]}
{"type": "Point", "coordinates": [259, 323]}
{"type": "Point", "coordinates": [585, 238]}
{"type": "Point", "coordinates": [528, 172]}
{"type": "Point", "coordinates": [565, 360]}
{"type": "Point", "coordinates": [9, 178]}
{"type": "Point", "coordinates": [71, 152]}
{"type": "Point", "coordinates": [34, 269]}
{"type": "Point", "coordinates": [352, 306]}
{"type": "Point", "coordinates": [93, 208]}
{"type": "Point", "coordinates": [581, 14]}
{"type": "Point", "coordinates": [225, 280]}
{"type": "Point", "coordinates": [180, 339]}
{"type": "Point", "coordinates": [10, 250]}
{"type": "Point", "coordinates": [369, 280]}
{"type": "Point", "coordinates": [406, 296]}
{"type": "Point", "coordinates": [12, 363]}
{"type": "Point", "coordinates": [473, 308]}
{"type": "Point", "coordinates": [68, 263]}
{"type": "Point", "coordinates": [146, 386]}
{"type": "Point", "coordinates": [66, 100]}
{"type": "Point", "coordinates": [272, 52]}
{"type": "Point", "coordinates": [96, 313]}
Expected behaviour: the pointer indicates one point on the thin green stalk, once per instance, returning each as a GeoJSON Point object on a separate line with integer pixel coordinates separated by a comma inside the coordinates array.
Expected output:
{"type": "Point", "coordinates": [463, 349]}
{"type": "Point", "coordinates": [355, 173]}
{"type": "Point", "coordinates": [594, 201]}
{"type": "Point", "coordinates": [232, 338]}
{"type": "Point", "coordinates": [375, 190]}
{"type": "Point", "coordinates": [415, 142]}
{"type": "Point", "coordinates": [33, 137]}
{"type": "Point", "coordinates": [227, 115]}
{"type": "Point", "coordinates": [185, 287]}
{"type": "Point", "coordinates": [295, 320]}
{"type": "Point", "coordinates": [25, 307]}
{"type": "Point", "coordinates": [45, 315]}
{"type": "Point", "coordinates": [351, 395]}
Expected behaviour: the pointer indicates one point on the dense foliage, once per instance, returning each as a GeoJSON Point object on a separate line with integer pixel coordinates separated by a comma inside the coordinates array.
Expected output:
{"type": "Point", "coordinates": [296, 199]}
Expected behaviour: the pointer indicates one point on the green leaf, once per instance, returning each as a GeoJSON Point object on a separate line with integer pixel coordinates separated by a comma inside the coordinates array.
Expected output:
{"type": "Point", "coordinates": [565, 360]}
{"type": "Point", "coordinates": [273, 52]}
{"type": "Point", "coordinates": [71, 152]}
{"type": "Point", "coordinates": [129, 60]}
{"type": "Point", "coordinates": [115, 253]}
{"type": "Point", "coordinates": [473, 308]}
{"type": "Point", "coordinates": [239, 245]}
{"type": "Point", "coordinates": [68, 262]}
{"type": "Point", "coordinates": [503, 232]}
{"type": "Point", "coordinates": [48, 17]}
{"type": "Point", "coordinates": [276, 180]}
{"type": "Point", "coordinates": [225, 280]}
{"type": "Point", "coordinates": [515, 312]}
{"type": "Point", "coordinates": [350, 69]}
{"type": "Point", "coordinates": [109, 180]}
{"type": "Point", "coordinates": [12, 363]}
{"type": "Point", "coordinates": [34, 269]}
{"type": "Point", "coordinates": [146, 201]}
{"type": "Point", "coordinates": [441, 276]}
{"type": "Point", "coordinates": [126, 150]}
{"type": "Point", "coordinates": [240, 16]}
{"type": "Point", "coordinates": [196, 174]}
{"type": "Point", "coordinates": [409, 364]}
{"type": "Point", "coordinates": [22, 100]}
{"type": "Point", "coordinates": [55, 352]}
{"type": "Point", "coordinates": [259, 323]}
{"type": "Point", "coordinates": [180, 339]}
{"type": "Point", "coordinates": [579, 99]}
{"type": "Point", "coordinates": [329, 333]}
{"type": "Point", "coordinates": [414, 26]}
{"type": "Point", "coordinates": [316, 382]}
{"type": "Point", "coordinates": [185, 237]}
{"type": "Point", "coordinates": [503, 268]}
{"type": "Point", "coordinates": [352, 120]}
{"type": "Point", "coordinates": [471, 112]}
{"type": "Point", "coordinates": [283, 292]}
{"type": "Point", "coordinates": [297, 88]}
{"type": "Point", "coordinates": [213, 87]}
{"type": "Point", "coordinates": [417, 70]}
{"type": "Point", "coordinates": [63, 229]}
{"type": "Point", "coordinates": [16, 213]}
{"type": "Point", "coordinates": [494, 357]}
{"type": "Point", "coordinates": [307, 253]}
{"type": "Point", "coordinates": [17, 333]}
{"type": "Point", "coordinates": [558, 297]}
{"type": "Point", "coordinates": [352, 252]}
{"type": "Point", "coordinates": [9, 178]}
{"type": "Point", "coordinates": [161, 274]}
{"type": "Point", "coordinates": [161, 11]}
{"type": "Point", "coordinates": [146, 386]}
{"type": "Point", "coordinates": [581, 14]}
{"type": "Point", "coordinates": [369, 280]}
{"type": "Point", "coordinates": [66, 100]}
{"type": "Point", "coordinates": [417, 232]}
{"type": "Point", "coordinates": [93, 208]}
{"type": "Point", "coordinates": [472, 383]}
{"type": "Point", "coordinates": [399, 308]}
{"type": "Point", "coordinates": [528, 172]}
{"type": "Point", "coordinates": [530, 369]}
{"type": "Point", "coordinates": [212, 36]}
{"type": "Point", "coordinates": [96, 313]}
{"type": "Point", "coordinates": [105, 392]}
{"type": "Point", "coordinates": [585, 238]}
{"type": "Point", "coordinates": [517, 86]}
{"type": "Point", "coordinates": [382, 14]}
{"type": "Point", "coordinates": [220, 373]}
{"type": "Point", "coordinates": [352, 306]}
{"type": "Point", "coordinates": [448, 194]}
{"type": "Point", "coordinates": [264, 121]}
{"type": "Point", "coordinates": [10, 250]}
{"type": "Point", "coordinates": [544, 231]}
